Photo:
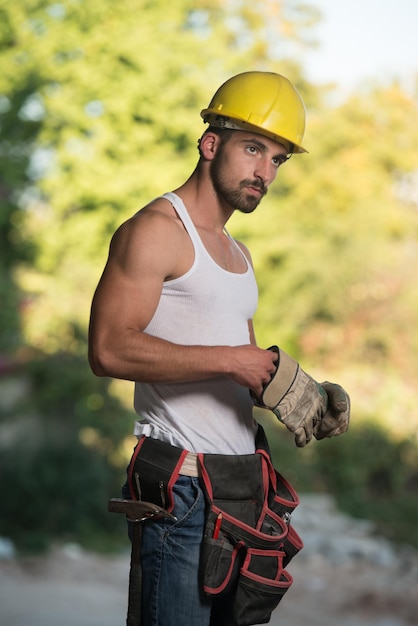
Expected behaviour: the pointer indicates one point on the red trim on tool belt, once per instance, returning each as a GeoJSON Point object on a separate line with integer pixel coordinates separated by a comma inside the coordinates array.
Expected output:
{"type": "Point", "coordinates": [227, 579]}
{"type": "Point", "coordinates": [205, 477]}
{"type": "Point", "coordinates": [131, 468]}
{"type": "Point", "coordinates": [252, 536]}
{"type": "Point", "coordinates": [173, 479]}
{"type": "Point", "coordinates": [270, 468]}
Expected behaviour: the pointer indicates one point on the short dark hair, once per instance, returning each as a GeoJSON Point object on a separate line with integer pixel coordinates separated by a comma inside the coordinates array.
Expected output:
{"type": "Point", "coordinates": [224, 134]}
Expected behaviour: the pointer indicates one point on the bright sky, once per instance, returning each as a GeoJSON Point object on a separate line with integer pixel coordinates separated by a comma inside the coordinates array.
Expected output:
{"type": "Point", "coordinates": [363, 40]}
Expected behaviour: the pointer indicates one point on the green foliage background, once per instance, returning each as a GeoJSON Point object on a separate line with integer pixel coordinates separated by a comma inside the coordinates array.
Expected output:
{"type": "Point", "coordinates": [99, 113]}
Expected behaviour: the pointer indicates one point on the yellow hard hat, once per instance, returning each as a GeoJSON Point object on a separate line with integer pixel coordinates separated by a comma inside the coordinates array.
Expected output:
{"type": "Point", "coordinates": [261, 102]}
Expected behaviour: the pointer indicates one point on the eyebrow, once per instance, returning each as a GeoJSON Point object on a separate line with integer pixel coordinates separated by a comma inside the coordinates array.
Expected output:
{"type": "Point", "coordinates": [262, 146]}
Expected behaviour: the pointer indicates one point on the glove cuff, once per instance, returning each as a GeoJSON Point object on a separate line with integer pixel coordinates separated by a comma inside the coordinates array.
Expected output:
{"type": "Point", "coordinates": [281, 382]}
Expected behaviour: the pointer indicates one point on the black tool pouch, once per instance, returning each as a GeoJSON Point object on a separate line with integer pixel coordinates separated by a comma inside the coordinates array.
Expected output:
{"type": "Point", "coordinates": [248, 540]}
{"type": "Point", "coordinates": [153, 470]}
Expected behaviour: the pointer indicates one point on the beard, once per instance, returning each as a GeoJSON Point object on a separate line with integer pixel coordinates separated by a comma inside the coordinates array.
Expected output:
{"type": "Point", "coordinates": [237, 197]}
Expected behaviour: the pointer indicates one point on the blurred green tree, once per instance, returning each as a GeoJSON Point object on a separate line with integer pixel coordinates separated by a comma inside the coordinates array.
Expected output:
{"type": "Point", "coordinates": [339, 235]}
{"type": "Point", "coordinates": [99, 112]}
{"type": "Point", "coordinates": [108, 104]}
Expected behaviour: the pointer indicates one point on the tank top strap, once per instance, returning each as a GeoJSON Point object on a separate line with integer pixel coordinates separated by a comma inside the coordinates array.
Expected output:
{"type": "Point", "coordinates": [182, 212]}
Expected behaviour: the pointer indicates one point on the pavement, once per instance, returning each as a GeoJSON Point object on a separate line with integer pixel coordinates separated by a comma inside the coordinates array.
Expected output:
{"type": "Point", "coordinates": [70, 587]}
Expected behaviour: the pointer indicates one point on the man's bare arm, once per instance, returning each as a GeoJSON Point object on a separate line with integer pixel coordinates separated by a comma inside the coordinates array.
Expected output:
{"type": "Point", "coordinates": [144, 253]}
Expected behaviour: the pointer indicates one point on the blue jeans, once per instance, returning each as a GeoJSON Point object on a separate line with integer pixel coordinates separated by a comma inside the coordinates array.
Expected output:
{"type": "Point", "coordinates": [171, 593]}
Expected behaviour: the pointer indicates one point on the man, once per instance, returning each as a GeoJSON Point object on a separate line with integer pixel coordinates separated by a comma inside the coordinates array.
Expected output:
{"type": "Point", "coordinates": [172, 312]}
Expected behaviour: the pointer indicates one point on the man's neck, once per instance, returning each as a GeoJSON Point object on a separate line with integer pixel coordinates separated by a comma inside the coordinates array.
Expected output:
{"type": "Point", "coordinates": [203, 203]}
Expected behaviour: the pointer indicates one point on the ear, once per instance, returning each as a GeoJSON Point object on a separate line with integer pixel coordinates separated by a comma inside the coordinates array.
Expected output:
{"type": "Point", "coordinates": [208, 145]}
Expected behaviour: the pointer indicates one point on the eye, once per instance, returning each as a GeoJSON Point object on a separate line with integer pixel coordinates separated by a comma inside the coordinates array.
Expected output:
{"type": "Point", "coordinates": [252, 149]}
{"type": "Point", "coordinates": [279, 160]}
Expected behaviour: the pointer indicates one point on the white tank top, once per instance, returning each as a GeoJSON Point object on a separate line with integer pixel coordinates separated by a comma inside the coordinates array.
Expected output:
{"type": "Point", "coordinates": [206, 306]}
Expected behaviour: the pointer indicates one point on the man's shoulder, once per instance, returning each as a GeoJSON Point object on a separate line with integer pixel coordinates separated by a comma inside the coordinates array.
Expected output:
{"type": "Point", "coordinates": [151, 238]}
{"type": "Point", "coordinates": [154, 232]}
{"type": "Point", "coordinates": [160, 207]}
{"type": "Point", "coordinates": [158, 215]}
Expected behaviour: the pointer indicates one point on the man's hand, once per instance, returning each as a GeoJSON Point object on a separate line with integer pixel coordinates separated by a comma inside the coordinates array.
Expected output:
{"type": "Point", "coordinates": [336, 419]}
{"type": "Point", "coordinates": [250, 366]}
{"type": "Point", "coordinates": [294, 397]}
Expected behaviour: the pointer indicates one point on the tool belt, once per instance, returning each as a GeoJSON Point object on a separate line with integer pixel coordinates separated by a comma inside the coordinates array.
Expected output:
{"type": "Point", "coordinates": [248, 540]}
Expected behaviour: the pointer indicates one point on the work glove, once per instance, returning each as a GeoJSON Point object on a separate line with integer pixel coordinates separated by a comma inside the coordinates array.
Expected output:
{"type": "Point", "coordinates": [336, 418]}
{"type": "Point", "coordinates": [295, 398]}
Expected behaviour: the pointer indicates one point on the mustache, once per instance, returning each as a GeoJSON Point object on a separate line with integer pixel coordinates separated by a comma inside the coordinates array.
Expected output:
{"type": "Point", "coordinates": [257, 184]}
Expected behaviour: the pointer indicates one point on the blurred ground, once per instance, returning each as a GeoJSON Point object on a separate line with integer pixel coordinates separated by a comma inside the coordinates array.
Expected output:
{"type": "Point", "coordinates": [345, 576]}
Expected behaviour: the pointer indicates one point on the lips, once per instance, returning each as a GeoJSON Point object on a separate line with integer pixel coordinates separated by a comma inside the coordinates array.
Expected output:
{"type": "Point", "coordinates": [256, 190]}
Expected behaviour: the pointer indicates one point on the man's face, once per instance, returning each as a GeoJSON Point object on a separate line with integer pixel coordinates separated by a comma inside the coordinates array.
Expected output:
{"type": "Point", "coordinates": [243, 168]}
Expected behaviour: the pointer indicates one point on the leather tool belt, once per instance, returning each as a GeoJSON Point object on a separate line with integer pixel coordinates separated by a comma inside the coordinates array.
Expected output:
{"type": "Point", "coordinates": [248, 539]}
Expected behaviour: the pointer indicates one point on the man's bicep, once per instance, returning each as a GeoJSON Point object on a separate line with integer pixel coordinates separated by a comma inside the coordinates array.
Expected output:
{"type": "Point", "coordinates": [130, 287]}
{"type": "Point", "coordinates": [125, 301]}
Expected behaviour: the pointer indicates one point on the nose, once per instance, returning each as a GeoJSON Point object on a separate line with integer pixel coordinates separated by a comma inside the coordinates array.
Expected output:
{"type": "Point", "coordinates": [265, 171]}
